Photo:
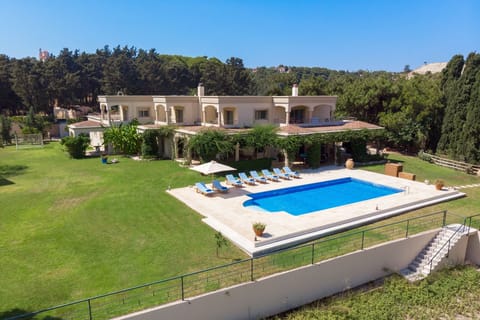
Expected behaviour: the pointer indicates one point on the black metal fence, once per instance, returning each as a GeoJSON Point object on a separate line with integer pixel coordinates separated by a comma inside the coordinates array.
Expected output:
{"type": "Point", "coordinates": [193, 284]}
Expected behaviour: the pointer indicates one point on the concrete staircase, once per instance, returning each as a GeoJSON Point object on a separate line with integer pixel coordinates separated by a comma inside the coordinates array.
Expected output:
{"type": "Point", "coordinates": [435, 251]}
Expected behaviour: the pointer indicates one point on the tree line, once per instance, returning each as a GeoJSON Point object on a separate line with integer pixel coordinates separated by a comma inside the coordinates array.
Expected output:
{"type": "Point", "coordinates": [434, 112]}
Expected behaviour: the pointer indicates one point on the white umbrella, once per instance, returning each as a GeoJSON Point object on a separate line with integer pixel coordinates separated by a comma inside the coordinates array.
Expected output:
{"type": "Point", "coordinates": [212, 167]}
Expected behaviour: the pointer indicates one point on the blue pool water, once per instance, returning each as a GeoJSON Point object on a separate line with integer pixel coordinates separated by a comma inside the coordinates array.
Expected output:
{"type": "Point", "coordinates": [318, 196]}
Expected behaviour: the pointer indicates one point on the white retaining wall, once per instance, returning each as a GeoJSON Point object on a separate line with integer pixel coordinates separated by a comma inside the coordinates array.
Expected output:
{"type": "Point", "coordinates": [274, 294]}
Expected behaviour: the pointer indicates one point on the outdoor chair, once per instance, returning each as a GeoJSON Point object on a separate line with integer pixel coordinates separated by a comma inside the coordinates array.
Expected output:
{"type": "Point", "coordinates": [256, 177]}
{"type": "Point", "coordinates": [294, 174]}
{"type": "Point", "coordinates": [246, 179]}
{"type": "Point", "coordinates": [216, 185]}
{"type": "Point", "coordinates": [233, 181]}
{"type": "Point", "coordinates": [202, 188]}
{"type": "Point", "coordinates": [282, 175]}
{"type": "Point", "coordinates": [267, 174]}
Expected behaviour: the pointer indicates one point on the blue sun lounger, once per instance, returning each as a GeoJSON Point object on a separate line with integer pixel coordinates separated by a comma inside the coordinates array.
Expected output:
{"type": "Point", "coordinates": [282, 175]}
{"type": "Point", "coordinates": [201, 187]}
{"type": "Point", "coordinates": [267, 174]}
{"type": "Point", "coordinates": [256, 177]}
{"type": "Point", "coordinates": [216, 185]}
{"type": "Point", "coordinates": [233, 181]}
{"type": "Point", "coordinates": [294, 174]}
{"type": "Point", "coordinates": [246, 179]}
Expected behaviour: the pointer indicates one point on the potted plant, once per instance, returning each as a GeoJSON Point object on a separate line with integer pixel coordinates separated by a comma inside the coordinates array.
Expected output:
{"type": "Point", "coordinates": [439, 183]}
{"type": "Point", "coordinates": [258, 228]}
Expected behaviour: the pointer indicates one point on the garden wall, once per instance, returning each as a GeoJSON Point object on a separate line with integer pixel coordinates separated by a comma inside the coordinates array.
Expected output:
{"type": "Point", "coordinates": [275, 294]}
{"type": "Point", "coordinates": [281, 292]}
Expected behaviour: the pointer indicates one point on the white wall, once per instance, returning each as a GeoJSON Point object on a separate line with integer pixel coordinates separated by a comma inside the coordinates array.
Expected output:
{"type": "Point", "coordinates": [274, 294]}
{"type": "Point", "coordinates": [473, 249]}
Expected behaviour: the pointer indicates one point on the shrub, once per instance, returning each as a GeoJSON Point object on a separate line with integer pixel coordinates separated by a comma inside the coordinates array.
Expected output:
{"type": "Point", "coordinates": [424, 156]}
{"type": "Point", "coordinates": [150, 144]}
{"type": "Point", "coordinates": [76, 146]}
{"type": "Point", "coordinates": [314, 155]}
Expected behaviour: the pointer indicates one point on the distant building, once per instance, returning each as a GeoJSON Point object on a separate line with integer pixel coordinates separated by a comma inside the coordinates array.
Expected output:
{"type": "Point", "coordinates": [434, 67]}
{"type": "Point", "coordinates": [43, 54]}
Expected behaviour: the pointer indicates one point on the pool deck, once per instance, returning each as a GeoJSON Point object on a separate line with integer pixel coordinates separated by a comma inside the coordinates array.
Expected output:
{"type": "Point", "coordinates": [225, 212]}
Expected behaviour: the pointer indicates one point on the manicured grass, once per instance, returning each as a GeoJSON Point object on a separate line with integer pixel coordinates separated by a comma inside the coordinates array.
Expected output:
{"type": "Point", "coordinates": [448, 294]}
{"type": "Point", "coordinates": [71, 229]}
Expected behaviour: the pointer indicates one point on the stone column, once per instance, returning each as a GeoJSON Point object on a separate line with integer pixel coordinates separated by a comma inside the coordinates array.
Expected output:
{"type": "Point", "coordinates": [287, 117]}
{"type": "Point", "coordinates": [237, 152]}
{"type": "Point", "coordinates": [108, 115]}
{"type": "Point", "coordinates": [309, 116]}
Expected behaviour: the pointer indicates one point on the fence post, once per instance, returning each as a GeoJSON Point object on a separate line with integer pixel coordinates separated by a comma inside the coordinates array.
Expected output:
{"type": "Point", "coordinates": [183, 293]}
{"type": "Point", "coordinates": [313, 251]}
{"type": "Point", "coordinates": [363, 238]}
{"type": "Point", "coordinates": [408, 225]}
{"type": "Point", "coordinates": [444, 218]}
{"type": "Point", "coordinates": [251, 269]}
{"type": "Point", "coordinates": [89, 310]}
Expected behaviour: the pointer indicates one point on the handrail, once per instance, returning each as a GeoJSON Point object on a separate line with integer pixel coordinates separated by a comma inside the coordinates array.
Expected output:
{"type": "Point", "coordinates": [462, 226]}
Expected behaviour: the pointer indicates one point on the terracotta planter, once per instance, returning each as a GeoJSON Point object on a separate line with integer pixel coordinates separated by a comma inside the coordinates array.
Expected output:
{"type": "Point", "coordinates": [349, 164]}
{"type": "Point", "coordinates": [439, 186]}
{"type": "Point", "coordinates": [258, 232]}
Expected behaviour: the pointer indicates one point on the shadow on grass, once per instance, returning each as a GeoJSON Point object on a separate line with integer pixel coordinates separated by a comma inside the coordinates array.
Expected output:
{"type": "Point", "coordinates": [5, 182]}
{"type": "Point", "coordinates": [23, 314]}
{"type": "Point", "coordinates": [9, 171]}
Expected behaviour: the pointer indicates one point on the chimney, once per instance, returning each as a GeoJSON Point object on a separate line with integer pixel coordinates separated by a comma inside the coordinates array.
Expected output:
{"type": "Point", "coordinates": [200, 90]}
{"type": "Point", "coordinates": [295, 90]}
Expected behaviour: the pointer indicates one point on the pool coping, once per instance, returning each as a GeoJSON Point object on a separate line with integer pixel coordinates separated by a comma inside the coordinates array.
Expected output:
{"type": "Point", "coordinates": [226, 214]}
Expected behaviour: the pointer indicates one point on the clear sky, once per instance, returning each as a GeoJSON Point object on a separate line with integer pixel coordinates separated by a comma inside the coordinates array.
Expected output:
{"type": "Point", "coordinates": [336, 34]}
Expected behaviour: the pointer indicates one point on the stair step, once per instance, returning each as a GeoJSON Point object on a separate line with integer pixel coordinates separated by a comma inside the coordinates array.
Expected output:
{"type": "Point", "coordinates": [433, 253]}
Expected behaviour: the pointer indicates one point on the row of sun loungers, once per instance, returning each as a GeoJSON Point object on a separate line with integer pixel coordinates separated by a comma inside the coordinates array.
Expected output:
{"type": "Point", "coordinates": [254, 177]}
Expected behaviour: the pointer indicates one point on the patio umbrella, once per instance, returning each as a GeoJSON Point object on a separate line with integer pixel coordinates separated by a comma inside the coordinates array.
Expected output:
{"type": "Point", "coordinates": [212, 167]}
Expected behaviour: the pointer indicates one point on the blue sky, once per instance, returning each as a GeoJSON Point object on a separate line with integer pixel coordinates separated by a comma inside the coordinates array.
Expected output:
{"type": "Point", "coordinates": [336, 34]}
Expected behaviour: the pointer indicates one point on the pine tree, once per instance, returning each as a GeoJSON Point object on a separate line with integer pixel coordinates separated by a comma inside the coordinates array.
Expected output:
{"type": "Point", "coordinates": [471, 133]}
{"type": "Point", "coordinates": [449, 84]}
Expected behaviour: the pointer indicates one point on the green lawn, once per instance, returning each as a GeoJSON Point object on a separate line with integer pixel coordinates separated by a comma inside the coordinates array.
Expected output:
{"type": "Point", "coordinates": [448, 294]}
{"type": "Point", "coordinates": [72, 229]}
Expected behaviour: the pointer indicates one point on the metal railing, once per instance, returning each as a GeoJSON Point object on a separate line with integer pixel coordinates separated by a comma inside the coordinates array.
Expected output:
{"type": "Point", "coordinates": [448, 244]}
{"type": "Point", "coordinates": [193, 284]}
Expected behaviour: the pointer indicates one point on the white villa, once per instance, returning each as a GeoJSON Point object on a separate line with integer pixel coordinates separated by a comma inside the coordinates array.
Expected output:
{"type": "Point", "coordinates": [294, 115]}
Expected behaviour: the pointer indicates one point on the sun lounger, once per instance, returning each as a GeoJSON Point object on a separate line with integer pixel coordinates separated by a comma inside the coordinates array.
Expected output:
{"type": "Point", "coordinates": [246, 179]}
{"type": "Point", "coordinates": [233, 181]}
{"type": "Point", "coordinates": [256, 177]}
{"type": "Point", "coordinates": [201, 187]}
{"type": "Point", "coordinates": [267, 174]}
{"type": "Point", "coordinates": [216, 185]}
{"type": "Point", "coordinates": [282, 175]}
{"type": "Point", "coordinates": [294, 174]}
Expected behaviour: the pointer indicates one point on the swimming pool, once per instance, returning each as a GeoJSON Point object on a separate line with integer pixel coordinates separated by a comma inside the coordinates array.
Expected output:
{"type": "Point", "coordinates": [308, 198]}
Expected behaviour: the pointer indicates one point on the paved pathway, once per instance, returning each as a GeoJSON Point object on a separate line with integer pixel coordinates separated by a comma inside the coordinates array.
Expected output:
{"type": "Point", "coordinates": [467, 186]}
